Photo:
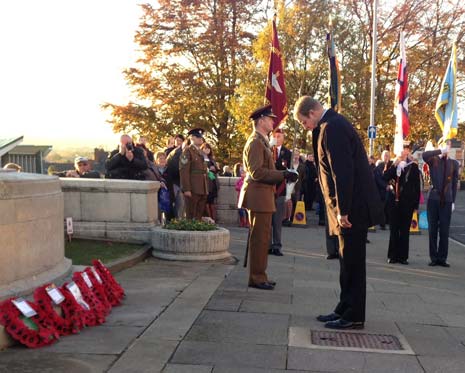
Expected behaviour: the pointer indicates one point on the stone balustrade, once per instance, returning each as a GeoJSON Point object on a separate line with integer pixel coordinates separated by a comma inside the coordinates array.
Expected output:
{"type": "Point", "coordinates": [120, 210]}
{"type": "Point", "coordinates": [227, 201]}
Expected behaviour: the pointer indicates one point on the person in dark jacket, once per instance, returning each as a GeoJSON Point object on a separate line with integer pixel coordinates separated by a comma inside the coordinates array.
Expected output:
{"type": "Point", "coordinates": [310, 182]}
{"type": "Point", "coordinates": [81, 169]}
{"type": "Point", "coordinates": [404, 200]}
{"type": "Point", "coordinates": [282, 157]}
{"type": "Point", "coordinates": [173, 179]}
{"type": "Point", "coordinates": [352, 203]}
{"type": "Point", "coordinates": [441, 201]}
{"type": "Point", "coordinates": [384, 186]}
{"type": "Point", "coordinates": [126, 162]}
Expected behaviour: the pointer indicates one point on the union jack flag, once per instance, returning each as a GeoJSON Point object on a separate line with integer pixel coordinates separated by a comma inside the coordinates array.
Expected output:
{"type": "Point", "coordinates": [401, 101]}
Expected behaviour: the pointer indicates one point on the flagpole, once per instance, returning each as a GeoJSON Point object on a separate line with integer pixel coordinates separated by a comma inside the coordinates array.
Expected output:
{"type": "Point", "coordinates": [373, 71]}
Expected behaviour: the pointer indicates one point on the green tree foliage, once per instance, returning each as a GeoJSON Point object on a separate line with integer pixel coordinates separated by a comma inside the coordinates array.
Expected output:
{"type": "Point", "coordinates": [188, 70]}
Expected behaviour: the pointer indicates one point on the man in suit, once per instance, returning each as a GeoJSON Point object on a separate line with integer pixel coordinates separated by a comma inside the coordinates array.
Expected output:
{"type": "Point", "coordinates": [257, 194]}
{"type": "Point", "coordinates": [441, 200]}
{"type": "Point", "coordinates": [193, 175]}
{"type": "Point", "coordinates": [404, 199]}
{"type": "Point", "coordinates": [352, 204]}
{"type": "Point", "coordinates": [282, 157]}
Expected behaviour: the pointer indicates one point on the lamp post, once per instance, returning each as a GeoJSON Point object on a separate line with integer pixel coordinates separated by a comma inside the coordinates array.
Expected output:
{"type": "Point", "coordinates": [373, 72]}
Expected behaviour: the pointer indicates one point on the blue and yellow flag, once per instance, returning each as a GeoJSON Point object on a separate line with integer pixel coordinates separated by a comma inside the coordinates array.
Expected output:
{"type": "Point", "coordinates": [446, 105]}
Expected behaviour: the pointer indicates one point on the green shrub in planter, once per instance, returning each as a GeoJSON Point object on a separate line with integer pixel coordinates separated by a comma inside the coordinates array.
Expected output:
{"type": "Point", "coordinates": [190, 225]}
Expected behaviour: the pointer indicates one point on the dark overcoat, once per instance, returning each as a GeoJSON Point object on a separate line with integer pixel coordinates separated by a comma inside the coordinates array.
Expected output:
{"type": "Point", "coordinates": [346, 179]}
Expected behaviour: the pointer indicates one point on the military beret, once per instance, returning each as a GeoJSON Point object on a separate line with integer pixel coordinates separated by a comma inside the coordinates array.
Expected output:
{"type": "Point", "coordinates": [197, 132]}
{"type": "Point", "coordinates": [264, 111]}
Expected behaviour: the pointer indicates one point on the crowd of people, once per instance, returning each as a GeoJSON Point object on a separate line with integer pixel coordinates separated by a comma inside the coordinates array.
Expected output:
{"type": "Point", "coordinates": [353, 192]}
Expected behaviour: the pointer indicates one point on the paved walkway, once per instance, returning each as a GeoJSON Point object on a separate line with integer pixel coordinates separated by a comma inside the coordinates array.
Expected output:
{"type": "Point", "coordinates": [201, 317]}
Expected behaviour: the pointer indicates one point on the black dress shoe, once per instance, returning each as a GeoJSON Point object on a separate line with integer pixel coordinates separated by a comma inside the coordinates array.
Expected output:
{"type": "Point", "coordinates": [404, 262]}
{"type": "Point", "coordinates": [433, 263]}
{"type": "Point", "coordinates": [272, 283]}
{"type": "Point", "coordinates": [392, 261]}
{"type": "Point", "coordinates": [344, 324]}
{"type": "Point", "coordinates": [278, 252]}
{"type": "Point", "coordinates": [368, 241]}
{"type": "Point", "coordinates": [331, 317]}
{"type": "Point", "coordinates": [332, 256]}
{"type": "Point", "coordinates": [262, 286]}
{"type": "Point", "coordinates": [443, 264]}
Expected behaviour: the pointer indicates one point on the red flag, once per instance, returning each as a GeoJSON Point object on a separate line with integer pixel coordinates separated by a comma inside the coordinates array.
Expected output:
{"type": "Point", "coordinates": [275, 86]}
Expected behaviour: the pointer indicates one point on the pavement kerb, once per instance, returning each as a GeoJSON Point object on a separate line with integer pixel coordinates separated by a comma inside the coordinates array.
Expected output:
{"type": "Point", "coordinates": [114, 266]}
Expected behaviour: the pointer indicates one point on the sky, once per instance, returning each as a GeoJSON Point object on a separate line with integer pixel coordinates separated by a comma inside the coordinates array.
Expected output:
{"type": "Point", "coordinates": [59, 61]}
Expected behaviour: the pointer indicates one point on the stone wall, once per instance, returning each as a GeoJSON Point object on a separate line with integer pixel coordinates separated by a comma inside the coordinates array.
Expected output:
{"type": "Point", "coordinates": [31, 232]}
{"type": "Point", "coordinates": [121, 210]}
{"type": "Point", "coordinates": [227, 201]}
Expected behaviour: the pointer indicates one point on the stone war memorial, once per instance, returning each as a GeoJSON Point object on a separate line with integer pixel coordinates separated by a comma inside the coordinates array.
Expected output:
{"type": "Point", "coordinates": [33, 210]}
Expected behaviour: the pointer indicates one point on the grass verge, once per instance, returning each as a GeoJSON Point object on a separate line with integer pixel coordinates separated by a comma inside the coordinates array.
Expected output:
{"type": "Point", "coordinates": [81, 252]}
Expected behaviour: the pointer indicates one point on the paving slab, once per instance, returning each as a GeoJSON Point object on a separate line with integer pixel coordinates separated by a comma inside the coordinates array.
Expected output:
{"type": "Point", "coordinates": [440, 364]}
{"type": "Point", "coordinates": [237, 355]}
{"type": "Point", "coordinates": [240, 327]}
{"type": "Point", "coordinates": [100, 339]}
{"type": "Point", "coordinates": [144, 357]}
{"type": "Point", "coordinates": [429, 340]}
{"type": "Point", "coordinates": [187, 368]}
{"type": "Point", "coordinates": [35, 361]}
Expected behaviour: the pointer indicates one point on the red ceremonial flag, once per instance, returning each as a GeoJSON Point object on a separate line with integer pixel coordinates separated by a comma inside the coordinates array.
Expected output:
{"type": "Point", "coordinates": [275, 86]}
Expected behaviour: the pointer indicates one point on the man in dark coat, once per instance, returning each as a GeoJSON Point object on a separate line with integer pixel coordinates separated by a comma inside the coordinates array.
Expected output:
{"type": "Point", "coordinates": [384, 187]}
{"type": "Point", "coordinates": [126, 162]}
{"type": "Point", "coordinates": [310, 181]}
{"type": "Point", "coordinates": [352, 203]}
{"type": "Point", "coordinates": [282, 157]}
{"type": "Point", "coordinates": [173, 179]}
{"type": "Point", "coordinates": [441, 199]}
{"type": "Point", "coordinates": [81, 169]}
{"type": "Point", "coordinates": [404, 200]}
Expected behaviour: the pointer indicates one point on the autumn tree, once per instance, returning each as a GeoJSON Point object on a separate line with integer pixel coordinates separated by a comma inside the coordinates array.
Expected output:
{"type": "Point", "coordinates": [188, 70]}
{"type": "Point", "coordinates": [302, 37]}
{"type": "Point", "coordinates": [430, 28]}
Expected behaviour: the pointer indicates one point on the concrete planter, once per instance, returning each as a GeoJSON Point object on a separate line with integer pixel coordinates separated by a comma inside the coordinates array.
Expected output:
{"type": "Point", "coordinates": [190, 245]}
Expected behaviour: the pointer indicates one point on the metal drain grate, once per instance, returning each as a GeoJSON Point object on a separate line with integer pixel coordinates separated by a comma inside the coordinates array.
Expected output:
{"type": "Point", "coordinates": [356, 340]}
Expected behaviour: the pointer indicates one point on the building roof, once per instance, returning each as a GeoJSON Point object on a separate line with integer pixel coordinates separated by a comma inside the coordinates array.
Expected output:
{"type": "Point", "coordinates": [6, 144]}
{"type": "Point", "coordinates": [31, 150]}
